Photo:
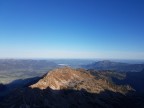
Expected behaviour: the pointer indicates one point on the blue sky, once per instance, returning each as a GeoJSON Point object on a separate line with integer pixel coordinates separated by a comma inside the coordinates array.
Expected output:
{"type": "Point", "coordinates": [111, 29]}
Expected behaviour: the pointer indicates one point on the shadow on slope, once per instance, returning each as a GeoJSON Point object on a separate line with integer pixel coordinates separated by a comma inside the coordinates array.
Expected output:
{"type": "Point", "coordinates": [134, 79]}
{"type": "Point", "coordinates": [20, 83]}
{"type": "Point", "coordinates": [48, 98]}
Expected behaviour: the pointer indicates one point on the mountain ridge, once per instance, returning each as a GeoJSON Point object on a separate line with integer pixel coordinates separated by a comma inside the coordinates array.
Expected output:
{"type": "Point", "coordinates": [115, 66]}
{"type": "Point", "coordinates": [67, 88]}
{"type": "Point", "coordinates": [65, 78]}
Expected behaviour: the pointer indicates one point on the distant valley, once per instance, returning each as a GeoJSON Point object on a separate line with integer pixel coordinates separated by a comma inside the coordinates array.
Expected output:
{"type": "Point", "coordinates": [42, 83]}
{"type": "Point", "coordinates": [12, 69]}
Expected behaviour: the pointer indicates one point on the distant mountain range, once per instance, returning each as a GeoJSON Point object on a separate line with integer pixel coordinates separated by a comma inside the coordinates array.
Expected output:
{"type": "Point", "coordinates": [115, 66]}
{"type": "Point", "coordinates": [13, 69]}
{"type": "Point", "coordinates": [79, 88]}
{"type": "Point", "coordinates": [11, 64]}
{"type": "Point", "coordinates": [103, 84]}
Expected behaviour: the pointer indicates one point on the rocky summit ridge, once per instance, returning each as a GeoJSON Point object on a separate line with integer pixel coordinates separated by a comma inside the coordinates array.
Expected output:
{"type": "Point", "coordinates": [77, 79]}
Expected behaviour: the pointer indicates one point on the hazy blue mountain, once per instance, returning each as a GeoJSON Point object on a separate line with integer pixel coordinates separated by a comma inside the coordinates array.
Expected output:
{"type": "Point", "coordinates": [117, 66]}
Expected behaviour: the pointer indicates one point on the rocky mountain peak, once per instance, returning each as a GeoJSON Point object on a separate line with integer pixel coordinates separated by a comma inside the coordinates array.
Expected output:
{"type": "Point", "coordinates": [61, 78]}
{"type": "Point", "coordinates": [76, 79]}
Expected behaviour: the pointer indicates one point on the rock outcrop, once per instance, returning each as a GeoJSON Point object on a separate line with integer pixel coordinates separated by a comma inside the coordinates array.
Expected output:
{"type": "Point", "coordinates": [68, 78]}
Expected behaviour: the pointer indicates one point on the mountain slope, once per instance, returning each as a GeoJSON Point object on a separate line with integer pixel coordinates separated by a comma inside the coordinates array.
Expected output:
{"type": "Point", "coordinates": [72, 88]}
{"type": "Point", "coordinates": [134, 79]}
{"type": "Point", "coordinates": [67, 78]}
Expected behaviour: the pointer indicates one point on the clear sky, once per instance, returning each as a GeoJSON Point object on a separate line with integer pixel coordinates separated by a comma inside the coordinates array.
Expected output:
{"type": "Point", "coordinates": [72, 29]}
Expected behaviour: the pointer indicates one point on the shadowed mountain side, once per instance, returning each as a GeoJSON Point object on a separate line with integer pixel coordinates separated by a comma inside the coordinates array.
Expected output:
{"type": "Point", "coordinates": [20, 83]}
{"type": "Point", "coordinates": [134, 79]}
{"type": "Point", "coordinates": [23, 82]}
{"type": "Point", "coordinates": [48, 98]}
{"type": "Point", "coordinates": [2, 87]}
